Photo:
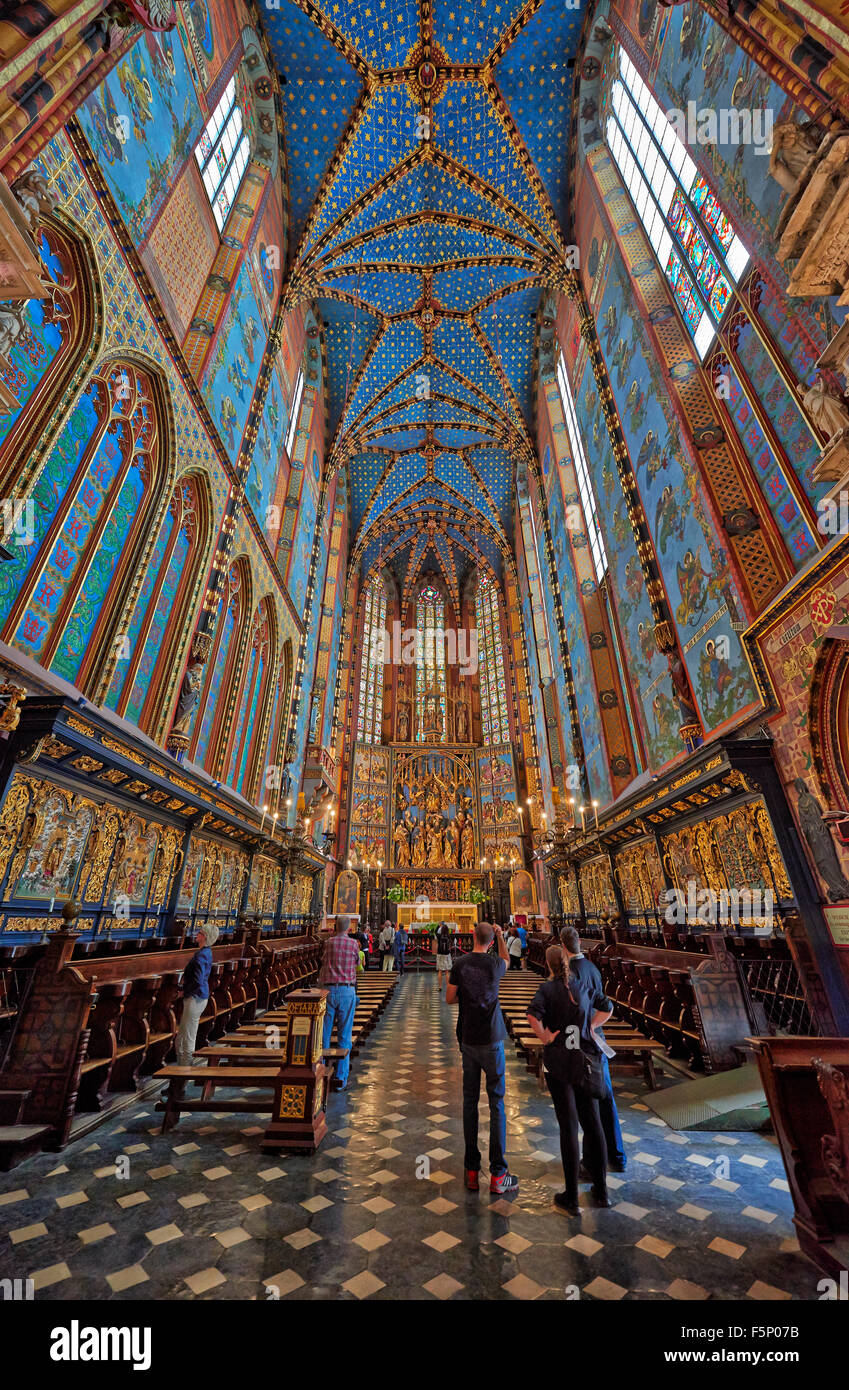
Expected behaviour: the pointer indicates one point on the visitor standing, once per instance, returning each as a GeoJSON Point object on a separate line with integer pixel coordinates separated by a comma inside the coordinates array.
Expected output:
{"type": "Point", "coordinates": [384, 941]}
{"type": "Point", "coordinates": [587, 978]}
{"type": "Point", "coordinates": [195, 995]}
{"type": "Point", "coordinates": [338, 975]}
{"type": "Point", "coordinates": [514, 949]}
{"type": "Point", "coordinates": [399, 948]}
{"type": "Point", "coordinates": [443, 956]}
{"type": "Point", "coordinates": [473, 985]}
{"type": "Point", "coordinates": [563, 1019]}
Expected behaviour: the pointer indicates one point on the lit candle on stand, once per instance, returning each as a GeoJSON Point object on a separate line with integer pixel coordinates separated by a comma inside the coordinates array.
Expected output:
{"type": "Point", "coordinates": [262, 822]}
{"type": "Point", "coordinates": [574, 806]}
{"type": "Point", "coordinates": [595, 812]}
{"type": "Point", "coordinates": [583, 811]}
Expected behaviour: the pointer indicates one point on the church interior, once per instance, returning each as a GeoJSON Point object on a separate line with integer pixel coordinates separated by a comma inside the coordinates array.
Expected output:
{"type": "Point", "coordinates": [424, 497]}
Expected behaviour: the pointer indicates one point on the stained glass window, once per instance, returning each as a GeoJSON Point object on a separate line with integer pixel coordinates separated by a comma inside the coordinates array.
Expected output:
{"type": "Point", "coordinates": [222, 153]}
{"type": "Point", "coordinates": [493, 685]}
{"type": "Point", "coordinates": [582, 473]}
{"type": "Point", "coordinates": [430, 666]}
{"type": "Point", "coordinates": [292, 431]}
{"type": "Point", "coordinates": [85, 507]}
{"type": "Point", "coordinates": [252, 703]}
{"type": "Point", "coordinates": [219, 661]}
{"type": "Point", "coordinates": [168, 570]}
{"type": "Point", "coordinates": [700, 253]}
{"type": "Point", "coordinates": [370, 708]}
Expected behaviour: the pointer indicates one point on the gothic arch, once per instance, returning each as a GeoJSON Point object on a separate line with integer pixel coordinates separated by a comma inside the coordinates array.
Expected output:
{"type": "Point", "coordinates": [77, 306]}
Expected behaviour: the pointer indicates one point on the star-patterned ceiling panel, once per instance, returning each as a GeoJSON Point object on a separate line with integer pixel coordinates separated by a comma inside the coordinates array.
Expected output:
{"type": "Point", "coordinates": [468, 30]}
{"type": "Point", "coordinates": [428, 162]}
{"type": "Point", "coordinates": [348, 330]}
{"type": "Point", "coordinates": [535, 79]}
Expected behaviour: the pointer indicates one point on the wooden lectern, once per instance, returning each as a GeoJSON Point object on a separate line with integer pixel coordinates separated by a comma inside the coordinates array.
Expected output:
{"type": "Point", "coordinates": [298, 1122]}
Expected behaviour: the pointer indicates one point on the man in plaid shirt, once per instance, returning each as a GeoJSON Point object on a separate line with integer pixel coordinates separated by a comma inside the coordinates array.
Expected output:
{"type": "Point", "coordinates": [338, 975]}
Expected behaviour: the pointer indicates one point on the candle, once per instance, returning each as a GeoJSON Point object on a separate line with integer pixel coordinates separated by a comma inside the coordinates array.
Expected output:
{"type": "Point", "coordinates": [262, 822]}
{"type": "Point", "coordinates": [583, 811]}
{"type": "Point", "coordinates": [52, 901]}
{"type": "Point", "coordinates": [595, 811]}
{"type": "Point", "coordinates": [572, 803]}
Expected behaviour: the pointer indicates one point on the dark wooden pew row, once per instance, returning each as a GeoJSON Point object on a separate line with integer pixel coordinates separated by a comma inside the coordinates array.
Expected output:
{"type": "Point", "coordinates": [806, 1081]}
{"type": "Point", "coordinates": [634, 1052]}
{"type": "Point", "coordinates": [244, 1062]}
{"type": "Point", "coordinates": [91, 1031]}
{"type": "Point", "coordinates": [691, 1001]}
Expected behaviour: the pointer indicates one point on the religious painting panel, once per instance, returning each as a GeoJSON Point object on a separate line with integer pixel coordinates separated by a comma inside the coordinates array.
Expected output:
{"type": "Point", "coordinates": [522, 893]}
{"type": "Point", "coordinates": [597, 886]}
{"type": "Point", "coordinates": [302, 541]}
{"type": "Point", "coordinates": [142, 124]}
{"type": "Point", "coordinates": [640, 877]}
{"type": "Point", "coordinates": [433, 809]}
{"type": "Point", "coordinates": [52, 862]}
{"type": "Point", "coordinates": [134, 854]}
{"type": "Point", "coordinates": [346, 896]}
{"type": "Point", "coordinates": [191, 876]}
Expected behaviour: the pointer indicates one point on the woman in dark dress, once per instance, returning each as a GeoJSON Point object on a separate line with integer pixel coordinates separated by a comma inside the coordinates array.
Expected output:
{"type": "Point", "coordinates": [564, 1022]}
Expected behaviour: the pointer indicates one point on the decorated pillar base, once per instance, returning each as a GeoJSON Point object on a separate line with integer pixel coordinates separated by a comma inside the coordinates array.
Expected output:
{"type": "Point", "coordinates": [691, 736]}
{"type": "Point", "coordinates": [832, 466]}
{"type": "Point", "coordinates": [298, 1122]}
{"type": "Point", "coordinates": [177, 745]}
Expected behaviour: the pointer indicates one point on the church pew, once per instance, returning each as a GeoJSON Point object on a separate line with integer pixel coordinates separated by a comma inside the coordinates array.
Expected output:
{"type": "Point", "coordinates": [93, 1028]}
{"type": "Point", "coordinates": [242, 1061]}
{"type": "Point", "coordinates": [805, 1080]}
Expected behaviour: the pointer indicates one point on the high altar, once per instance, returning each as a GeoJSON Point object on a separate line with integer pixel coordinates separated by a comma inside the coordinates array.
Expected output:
{"type": "Point", "coordinates": [436, 819]}
{"type": "Point", "coordinates": [421, 914]}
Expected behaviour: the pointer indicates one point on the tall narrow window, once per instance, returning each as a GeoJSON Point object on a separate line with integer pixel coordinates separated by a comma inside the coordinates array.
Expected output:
{"type": "Point", "coordinates": [370, 713]}
{"type": "Point", "coordinates": [166, 588]}
{"type": "Point", "coordinates": [222, 153]}
{"type": "Point", "coordinates": [493, 686]}
{"type": "Point", "coordinates": [582, 473]}
{"type": "Point", "coordinates": [292, 432]}
{"type": "Point", "coordinates": [693, 239]}
{"type": "Point", "coordinates": [430, 666]}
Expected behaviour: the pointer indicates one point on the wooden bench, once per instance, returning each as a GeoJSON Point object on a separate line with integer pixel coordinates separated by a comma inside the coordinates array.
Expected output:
{"type": "Point", "coordinates": [91, 1030]}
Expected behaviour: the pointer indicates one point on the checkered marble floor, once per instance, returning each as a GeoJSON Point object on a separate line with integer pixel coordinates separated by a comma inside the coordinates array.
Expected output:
{"type": "Point", "coordinates": [381, 1212]}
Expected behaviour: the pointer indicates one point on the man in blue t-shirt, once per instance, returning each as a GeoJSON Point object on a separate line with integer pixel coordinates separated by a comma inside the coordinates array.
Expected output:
{"type": "Point", "coordinates": [473, 985]}
{"type": "Point", "coordinates": [523, 937]}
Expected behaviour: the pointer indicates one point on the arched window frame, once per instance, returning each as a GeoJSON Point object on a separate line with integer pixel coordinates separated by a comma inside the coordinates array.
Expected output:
{"type": "Point", "coordinates": [495, 721]}
{"type": "Point", "coordinates": [370, 703]}
{"type": "Point", "coordinates": [431, 681]}
{"type": "Point", "coordinates": [77, 304]}
{"type": "Point", "coordinates": [252, 706]}
{"type": "Point", "coordinates": [187, 516]}
{"type": "Point", "coordinates": [124, 399]}
{"type": "Point", "coordinates": [221, 666]}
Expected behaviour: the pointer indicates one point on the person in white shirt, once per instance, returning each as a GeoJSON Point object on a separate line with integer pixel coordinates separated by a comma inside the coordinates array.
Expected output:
{"type": "Point", "coordinates": [514, 948]}
{"type": "Point", "coordinates": [385, 941]}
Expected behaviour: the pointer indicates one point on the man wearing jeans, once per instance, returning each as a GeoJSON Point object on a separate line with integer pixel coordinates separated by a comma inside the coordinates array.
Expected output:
{"type": "Point", "coordinates": [338, 975]}
{"type": "Point", "coordinates": [473, 984]}
{"type": "Point", "coordinates": [195, 995]}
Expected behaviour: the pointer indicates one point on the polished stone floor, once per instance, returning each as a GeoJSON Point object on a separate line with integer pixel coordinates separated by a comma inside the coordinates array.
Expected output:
{"type": "Point", "coordinates": [380, 1212]}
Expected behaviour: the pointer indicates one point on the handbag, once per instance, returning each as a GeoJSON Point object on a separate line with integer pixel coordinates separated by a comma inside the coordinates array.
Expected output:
{"type": "Point", "coordinates": [592, 1081]}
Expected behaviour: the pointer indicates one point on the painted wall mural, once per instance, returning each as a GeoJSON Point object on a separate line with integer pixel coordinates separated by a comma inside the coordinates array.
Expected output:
{"type": "Point", "coordinates": [142, 123]}
{"type": "Point", "coordinates": [533, 678]}
{"type": "Point", "coordinates": [694, 565]}
{"type": "Point", "coordinates": [648, 669]}
{"type": "Point", "coordinates": [231, 374]}
{"type": "Point", "coordinates": [304, 533]}
{"type": "Point", "coordinates": [589, 719]}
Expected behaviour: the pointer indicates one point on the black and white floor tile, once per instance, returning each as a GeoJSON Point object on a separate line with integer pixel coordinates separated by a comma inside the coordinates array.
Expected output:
{"type": "Point", "coordinates": [381, 1212]}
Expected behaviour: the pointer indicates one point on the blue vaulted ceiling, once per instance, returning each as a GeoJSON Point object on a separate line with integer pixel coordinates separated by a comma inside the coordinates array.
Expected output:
{"type": "Point", "coordinates": [428, 167]}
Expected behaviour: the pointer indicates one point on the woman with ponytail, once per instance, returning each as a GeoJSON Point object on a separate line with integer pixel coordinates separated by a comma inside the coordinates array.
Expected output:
{"type": "Point", "coordinates": [564, 1025]}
